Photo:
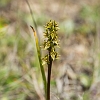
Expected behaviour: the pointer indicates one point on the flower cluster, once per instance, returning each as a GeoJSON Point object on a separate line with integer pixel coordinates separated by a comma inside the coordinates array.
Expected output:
{"type": "Point", "coordinates": [51, 41]}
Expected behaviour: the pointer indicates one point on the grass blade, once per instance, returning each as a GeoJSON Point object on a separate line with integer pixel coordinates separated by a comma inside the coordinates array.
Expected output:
{"type": "Point", "coordinates": [40, 60]}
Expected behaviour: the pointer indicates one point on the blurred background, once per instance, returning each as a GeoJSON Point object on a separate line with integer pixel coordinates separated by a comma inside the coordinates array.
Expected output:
{"type": "Point", "coordinates": [75, 75]}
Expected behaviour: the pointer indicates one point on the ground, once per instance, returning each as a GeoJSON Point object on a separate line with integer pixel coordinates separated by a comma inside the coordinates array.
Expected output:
{"type": "Point", "coordinates": [75, 74]}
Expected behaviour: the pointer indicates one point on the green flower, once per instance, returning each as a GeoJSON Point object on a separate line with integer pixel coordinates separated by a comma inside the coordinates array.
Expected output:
{"type": "Point", "coordinates": [51, 41]}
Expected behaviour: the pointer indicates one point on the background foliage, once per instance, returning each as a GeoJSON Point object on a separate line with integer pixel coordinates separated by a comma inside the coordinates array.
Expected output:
{"type": "Point", "coordinates": [75, 76]}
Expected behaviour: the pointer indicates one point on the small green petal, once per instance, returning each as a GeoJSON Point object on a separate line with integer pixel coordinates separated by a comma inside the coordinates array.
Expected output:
{"type": "Point", "coordinates": [46, 44]}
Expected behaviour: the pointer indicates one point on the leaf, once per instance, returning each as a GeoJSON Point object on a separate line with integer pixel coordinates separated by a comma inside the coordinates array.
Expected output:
{"type": "Point", "coordinates": [39, 57]}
